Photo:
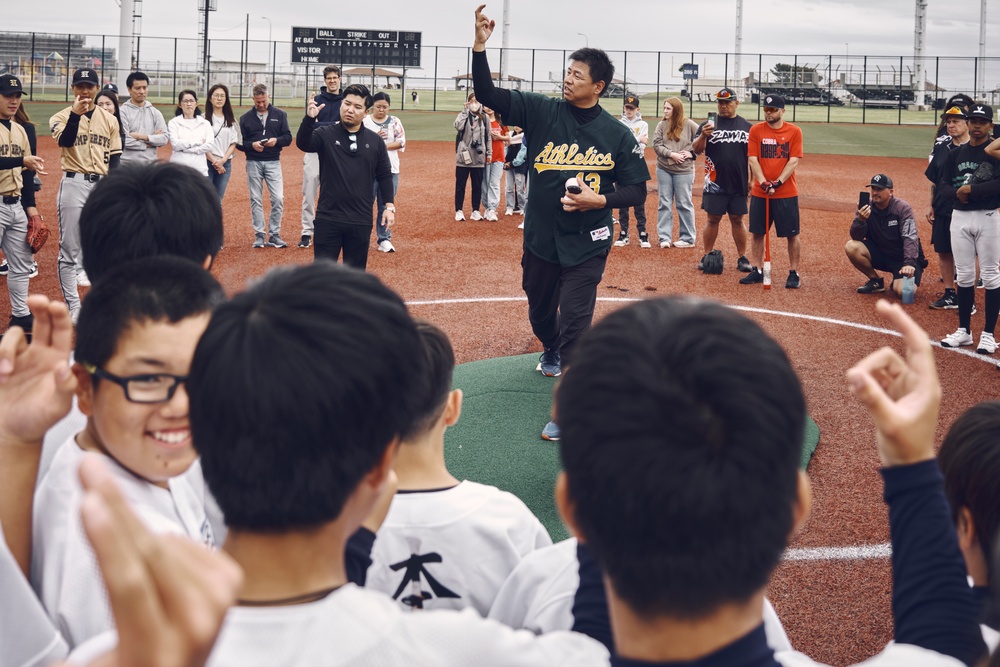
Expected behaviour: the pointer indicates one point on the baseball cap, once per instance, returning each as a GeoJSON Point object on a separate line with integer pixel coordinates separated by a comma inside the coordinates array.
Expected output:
{"type": "Point", "coordinates": [9, 84]}
{"type": "Point", "coordinates": [955, 112]}
{"type": "Point", "coordinates": [632, 101]}
{"type": "Point", "coordinates": [725, 95]}
{"type": "Point", "coordinates": [85, 76]}
{"type": "Point", "coordinates": [981, 111]}
{"type": "Point", "coordinates": [880, 181]}
{"type": "Point", "coordinates": [112, 87]}
{"type": "Point", "coordinates": [774, 101]}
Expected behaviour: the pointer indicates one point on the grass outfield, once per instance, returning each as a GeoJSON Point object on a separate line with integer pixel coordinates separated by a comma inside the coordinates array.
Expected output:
{"type": "Point", "coordinates": [870, 140]}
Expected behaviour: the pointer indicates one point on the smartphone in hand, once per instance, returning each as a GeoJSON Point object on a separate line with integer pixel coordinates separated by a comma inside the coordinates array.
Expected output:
{"type": "Point", "coordinates": [713, 118]}
{"type": "Point", "coordinates": [864, 199]}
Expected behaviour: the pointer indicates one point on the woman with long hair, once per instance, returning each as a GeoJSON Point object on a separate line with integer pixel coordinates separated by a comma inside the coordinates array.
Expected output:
{"type": "Point", "coordinates": [675, 173]}
{"type": "Point", "coordinates": [190, 134]}
{"type": "Point", "coordinates": [226, 132]}
{"type": "Point", "coordinates": [108, 100]}
{"type": "Point", "coordinates": [22, 119]}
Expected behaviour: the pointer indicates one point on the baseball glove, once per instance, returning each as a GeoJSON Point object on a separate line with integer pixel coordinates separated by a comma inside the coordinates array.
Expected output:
{"type": "Point", "coordinates": [712, 262]}
{"type": "Point", "coordinates": [38, 233]}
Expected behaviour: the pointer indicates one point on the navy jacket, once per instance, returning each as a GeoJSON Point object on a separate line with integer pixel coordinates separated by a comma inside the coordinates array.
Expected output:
{"type": "Point", "coordinates": [253, 130]}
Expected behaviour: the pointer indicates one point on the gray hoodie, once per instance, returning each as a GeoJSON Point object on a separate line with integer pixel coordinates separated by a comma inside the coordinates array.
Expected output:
{"type": "Point", "coordinates": [146, 119]}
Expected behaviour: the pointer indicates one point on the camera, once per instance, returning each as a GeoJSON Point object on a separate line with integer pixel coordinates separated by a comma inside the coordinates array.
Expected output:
{"type": "Point", "coordinates": [477, 146]}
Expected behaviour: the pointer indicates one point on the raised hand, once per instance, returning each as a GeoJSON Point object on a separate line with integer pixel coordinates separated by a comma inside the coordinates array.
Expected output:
{"type": "Point", "coordinates": [484, 28]}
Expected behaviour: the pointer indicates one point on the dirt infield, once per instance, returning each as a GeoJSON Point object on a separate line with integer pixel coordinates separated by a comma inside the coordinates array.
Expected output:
{"type": "Point", "coordinates": [838, 611]}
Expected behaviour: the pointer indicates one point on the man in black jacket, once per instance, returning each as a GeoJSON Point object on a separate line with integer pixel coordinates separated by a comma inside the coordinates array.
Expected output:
{"type": "Point", "coordinates": [265, 133]}
{"type": "Point", "coordinates": [351, 159]}
{"type": "Point", "coordinates": [329, 96]}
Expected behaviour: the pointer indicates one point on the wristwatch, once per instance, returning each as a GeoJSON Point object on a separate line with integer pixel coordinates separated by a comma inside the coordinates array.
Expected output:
{"type": "Point", "coordinates": [391, 208]}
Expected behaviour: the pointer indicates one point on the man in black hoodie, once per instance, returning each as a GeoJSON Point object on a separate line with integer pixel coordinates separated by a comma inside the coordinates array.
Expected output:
{"type": "Point", "coordinates": [329, 98]}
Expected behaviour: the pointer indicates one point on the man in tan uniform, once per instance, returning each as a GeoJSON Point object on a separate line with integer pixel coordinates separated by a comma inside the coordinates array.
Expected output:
{"type": "Point", "coordinates": [17, 189]}
{"type": "Point", "coordinates": [91, 145]}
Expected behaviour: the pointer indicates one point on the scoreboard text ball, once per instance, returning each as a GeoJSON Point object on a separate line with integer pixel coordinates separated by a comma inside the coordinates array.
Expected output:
{"type": "Point", "coordinates": [341, 46]}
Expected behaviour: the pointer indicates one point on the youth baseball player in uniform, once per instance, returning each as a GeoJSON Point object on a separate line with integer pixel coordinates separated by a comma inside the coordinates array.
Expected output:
{"type": "Point", "coordinates": [17, 187]}
{"type": "Point", "coordinates": [566, 236]}
{"type": "Point", "coordinates": [91, 145]}
{"type": "Point", "coordinates": [774, 151]}
{"type": "Point", "coordinates": [971, 179]}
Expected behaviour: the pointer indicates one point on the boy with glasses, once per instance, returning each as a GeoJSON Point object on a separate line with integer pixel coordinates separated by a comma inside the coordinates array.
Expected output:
{"type": "Point", "coordinates": [135, 339]}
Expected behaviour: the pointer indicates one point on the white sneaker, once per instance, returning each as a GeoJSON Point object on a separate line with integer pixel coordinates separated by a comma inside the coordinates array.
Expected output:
{"type": "Point", "coordinates": [521, 226]}
{"type": "Point", "coordinates": [82, 280]}
{"type": "Point", "coordinates": [614, 220]}
{"type": "Point", "coordinates": [519, 211]}
{"type": "Point", "coordinates": [476, 215]}
{"type": "Point", "coordinates": [510, 211]}
{"type": "Point", "coordinates": [644, 241]}
{"type": "Point", "coordinates": [459, 216]}
{"type": "Point", "coordinates": [664, 244]}
{"type": "Point", "coordinates": [386, 246]}
{"type": "Point", "coordinates": [491, 215]}
{"type": "Point", "coordinates": [987, 345]}
{"type": "Point", "coordinates": [683, 244]}
{"type": "Point", "coordinates": [959, 338]}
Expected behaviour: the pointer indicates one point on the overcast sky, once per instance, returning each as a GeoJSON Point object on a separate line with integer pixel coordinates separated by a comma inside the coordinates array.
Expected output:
{"type": "Point", "coordinates": [833, 27]}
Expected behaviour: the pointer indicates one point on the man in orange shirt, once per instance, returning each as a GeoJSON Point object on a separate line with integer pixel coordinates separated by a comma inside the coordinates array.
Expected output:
{"type": "Point", "coordinates": [774, 151]}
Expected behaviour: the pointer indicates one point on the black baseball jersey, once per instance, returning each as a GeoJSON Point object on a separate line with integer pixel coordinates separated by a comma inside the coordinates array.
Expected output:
{"type": "Point", "coordinates": [726, 170]}
{"type": "Point", "coordinates": [600, 153]}
{"type": "Point", "coordinates": [970, 165]}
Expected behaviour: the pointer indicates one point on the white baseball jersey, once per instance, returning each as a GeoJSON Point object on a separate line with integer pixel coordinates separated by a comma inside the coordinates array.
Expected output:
{"type": "Point", "coordinates": [27, 636]}
{"type": "Point", "coordinates": [355, 626]}
{"type": "Point", "coordinates": [454, 548]}
{"type": "Point", "coordinates": [538, 595]}
{"type": "Point", "coordinates": [64, 570]}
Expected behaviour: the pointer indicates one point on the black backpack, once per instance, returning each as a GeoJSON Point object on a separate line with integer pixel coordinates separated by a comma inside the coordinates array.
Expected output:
{"type": "Point", "coordinates": [712, 262]}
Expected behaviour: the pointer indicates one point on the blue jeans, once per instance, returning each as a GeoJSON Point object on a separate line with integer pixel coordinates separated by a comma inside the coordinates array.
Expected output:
{"type": "Point", "coordinates": [384, 233]}
{"type": "Point", "coordinates": [259, 172]}
{"type": "Point", "coordinates": [221, 181]}
{"type": "Point", "coordinates": [491, 185]}
{"type": "Point", "coordinates": [517, 190]}
{"type": "Point", "coordinates": [675, 189]}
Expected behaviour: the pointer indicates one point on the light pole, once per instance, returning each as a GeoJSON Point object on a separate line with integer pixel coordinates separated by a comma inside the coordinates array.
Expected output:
{"type": "Point", "coordinates": [269, 47]}
{"type": "Point", "coordinates": [585, 39]}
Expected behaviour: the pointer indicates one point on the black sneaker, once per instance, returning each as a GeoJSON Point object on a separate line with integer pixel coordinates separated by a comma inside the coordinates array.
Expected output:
{"type": "Point", "coordinates": [549, 363]}
{"type": "Point", "coordinates": [644, 240]}
{"type": "Point", "coordinates": [743, 264]}
{"type": "Point", "coordinates": [793, 280]}
{"type": "Point", "coordinates": [948, 301]}
{"type": "Point", "coordinates": [752, 278]}
{"type": "Point", "coordinates": [622, 240]}
{"type": "Point", "coordinates": [701, 263]}
{"type": "Point", "coordinates": [305, 241]}
{"type": "Point", "coordinates": [872, 286]}
{"type": "Point", "coordinates": [275, 241]}
{"type": "Point", "coordinates": [3, 268]}
{"type": "Point", "coordinates": [979, 283]}
{"type": "Point", "coordinates": [25, 322]}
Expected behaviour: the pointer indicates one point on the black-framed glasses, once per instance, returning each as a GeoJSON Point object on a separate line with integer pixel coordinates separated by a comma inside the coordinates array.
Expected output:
{"type": "Point", "coordinates": [354, 143]}
{"type": "Point", "coordinates": [145, 388]}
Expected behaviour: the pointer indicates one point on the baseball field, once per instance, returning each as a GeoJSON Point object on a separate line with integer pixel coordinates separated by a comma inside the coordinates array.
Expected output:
{"type": "Point", "coordinates": [833, 590]}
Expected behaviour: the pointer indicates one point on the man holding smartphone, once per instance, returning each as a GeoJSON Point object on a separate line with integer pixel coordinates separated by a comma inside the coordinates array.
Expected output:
{"type": "Point", "coordinates": [724, 143]}
{"type": "Point", "coordinates": [884, 238]}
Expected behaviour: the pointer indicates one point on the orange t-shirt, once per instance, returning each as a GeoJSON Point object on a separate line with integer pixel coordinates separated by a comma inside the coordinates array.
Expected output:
{"type": "Point", "coordinates": [773, 148]}
{"type": "Point", "coordinates": [499, 149]}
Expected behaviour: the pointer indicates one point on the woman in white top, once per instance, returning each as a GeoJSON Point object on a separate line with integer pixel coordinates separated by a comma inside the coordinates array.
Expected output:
{"type": "Point", "coordinates": [190, 135]}
{"type": "Point", "coordinates": [226, 130]}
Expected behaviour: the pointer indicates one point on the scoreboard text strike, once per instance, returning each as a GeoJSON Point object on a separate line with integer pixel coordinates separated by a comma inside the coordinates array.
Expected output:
{"type": "Point", "coordinates": [315, 46]}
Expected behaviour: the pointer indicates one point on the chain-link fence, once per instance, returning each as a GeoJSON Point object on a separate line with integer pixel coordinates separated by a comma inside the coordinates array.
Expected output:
{"type": "Point", "coordinates": [821, 88]}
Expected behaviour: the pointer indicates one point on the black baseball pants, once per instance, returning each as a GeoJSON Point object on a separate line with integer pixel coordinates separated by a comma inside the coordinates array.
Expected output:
{"type": "Point", "coordinates": [329, 238]}
{"type": "Point", "coordinates": [561, 299]}
{"type": "Point", "coordinates": [462, 174]}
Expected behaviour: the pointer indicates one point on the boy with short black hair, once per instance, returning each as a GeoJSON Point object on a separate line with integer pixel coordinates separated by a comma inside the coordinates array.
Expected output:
{"type": "Point", "coordinates": [429, 551]}
{"type": "Point", "coordinates": [135, 338]}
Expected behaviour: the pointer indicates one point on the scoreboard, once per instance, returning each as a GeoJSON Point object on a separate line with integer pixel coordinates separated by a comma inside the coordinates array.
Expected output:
{"type": "Point", "coordinates": [341, 46]}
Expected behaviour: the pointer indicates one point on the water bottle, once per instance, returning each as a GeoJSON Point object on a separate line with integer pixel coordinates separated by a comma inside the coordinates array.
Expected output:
{"type": "Point", "coordinates": [909, 287]}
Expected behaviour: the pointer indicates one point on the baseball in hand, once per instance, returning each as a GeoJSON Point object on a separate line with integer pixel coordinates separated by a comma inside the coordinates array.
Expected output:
{"type": "Point", "coordinates": [573, 185]}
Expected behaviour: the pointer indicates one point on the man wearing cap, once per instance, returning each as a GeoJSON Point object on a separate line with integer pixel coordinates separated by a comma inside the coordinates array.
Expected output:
{"type": "Point", "coordinates": [17, 187]}
{"type": "Point", "coordinates": [727, 176]}
{"type": "Point", "coordinates": [884, 238]}
{"type": "Point", "coordinates": [957, 128]}
{"type": "Point", "coordinates": [774, 151]}
{"type": "Point", "coordinates": [145, 129]}
{"type": "Point", "coordinates": [91, 145]}
{"type": "Point", "coordinates": [632, 119]}
{"type": "Point", "coordinates": [971, 181]}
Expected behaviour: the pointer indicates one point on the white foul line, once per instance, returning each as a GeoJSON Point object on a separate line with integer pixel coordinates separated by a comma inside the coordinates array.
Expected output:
{"type": "Point", "coordinates": [763, 311]}
{"type": "Point", "coordinates": [864, 552]}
